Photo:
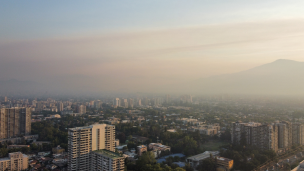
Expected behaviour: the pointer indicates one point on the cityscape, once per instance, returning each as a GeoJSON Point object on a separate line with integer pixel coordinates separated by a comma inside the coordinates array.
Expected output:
{"type": "Point", "coordinates": [152, 85]}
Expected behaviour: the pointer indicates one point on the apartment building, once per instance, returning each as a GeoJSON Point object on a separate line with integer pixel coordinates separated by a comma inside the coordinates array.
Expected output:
{"type": "Point", "coordinates": [84, 140]}
{"type": "Point", "coordinates": [15, 122]}
{"type": "Point", "coordinates": [14, 162]}
{"type": "Point", "coordinates": [297, 134]}
{"type": "Point", "coordinates": [284, 134]}
{"type": "Point", "coordinates": [107, 160]}
{"type": "Point", "coordinates": [141, 149]}
{"type": "Point", "coordinates": [262, 136]}
{"type": "Point", "coordinates": [224, 163]}
{"type": "Point", "coordinates": [158, 148]}
{"type": "Point", "coordinates": [81, 109]}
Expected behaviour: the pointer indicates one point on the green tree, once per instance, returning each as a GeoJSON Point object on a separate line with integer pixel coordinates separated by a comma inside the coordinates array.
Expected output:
{"type": "Point", "coordinates": [3, 152]}
{"type": "Point", "coordinates": [144, 159]}
{"type": "Point", "coordinates": [207, 165]}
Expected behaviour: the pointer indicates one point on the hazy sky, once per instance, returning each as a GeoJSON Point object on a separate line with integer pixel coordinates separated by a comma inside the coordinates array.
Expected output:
{"type": "Point", "coordinates": [136, 44]}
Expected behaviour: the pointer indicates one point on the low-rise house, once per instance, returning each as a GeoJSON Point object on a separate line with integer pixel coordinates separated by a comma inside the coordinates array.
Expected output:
{"type": "Point", "coordinates": [17, 146]}
{"type": "Point", "coordinates": [45, 153]}
{"type": "Point", "coordinates": [158, 148]}
{"type": "Point", "coordinates": [58, 150]}
{"type": "Point", "coordinates": [141, 149]}
{"type": "Point", "coordinates": [224, 163]}
{"type": "Point", "coordinates": [129, 154]}
{"type": "Point", "coordinates": [194, 161]}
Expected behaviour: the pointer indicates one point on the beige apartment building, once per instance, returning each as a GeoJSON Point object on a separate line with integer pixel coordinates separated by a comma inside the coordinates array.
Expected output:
{"type": "Point", "coordinates": [14, 122]}
{"type": "Point", "coordinates": [107, 160]}
{"type": "Point", "coordinates": [15, 162]}
{"type": "Point", "coordinates": [84, 140]}
{"type": "Point", "coordinates": [284, 134]}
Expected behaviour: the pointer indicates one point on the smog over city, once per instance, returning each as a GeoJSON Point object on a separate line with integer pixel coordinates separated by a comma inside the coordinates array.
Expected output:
{"type": "Point", "coordinates": [169, 85]}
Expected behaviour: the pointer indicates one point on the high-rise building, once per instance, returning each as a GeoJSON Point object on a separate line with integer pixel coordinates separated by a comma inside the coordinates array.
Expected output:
{"type": "Point", "coordinates": [168, 98]}
{"type": "Point", "coordinates": [15, 161]}
{"type": "Point", "coordinates": [97, 104]}
{"type": "Point", "coordinates": [39, 106]}
{"type": "Point", "coordinates": [116, 102]}
{"type": "Point", "coordinates": [5, 99]}
{"type": "Point", "coordinates": [60, 106]}
{"type": "Point", "coordinates": [255, 134]}
{"type": "Point", "coordinates": [14, 122]}
{"type": "Point", "coordinates": [131, 103]}
{"type": "Point", "coordinates": [145, 101]}
{"type": "Point", "coordinates": [284, 134]}
{"type": "Point", "coordinates": [139, 102]}
{"type": "Point", "coordinates": [124, 103]}
{"type": "Point", "coordinates": [81, 109]}
{"type": "Point", "coordinates": [297, 134]}
{"type": "Point", "coordinates": [92, 104]}
{"type": "Point", "coordinates": [82, 141]}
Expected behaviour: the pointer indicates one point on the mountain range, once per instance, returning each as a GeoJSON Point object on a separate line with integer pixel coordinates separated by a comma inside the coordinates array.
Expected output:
{"type": "Point", "coordinates": [281, 77]}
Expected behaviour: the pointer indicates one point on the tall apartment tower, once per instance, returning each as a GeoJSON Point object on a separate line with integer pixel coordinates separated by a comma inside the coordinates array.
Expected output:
{"type": "Point", "coordinates": [262, 136]}
{"type": "Point", "coordinates": [284, 134]}
{"type": "Point", "coordinates": [14, 122]}
{"type": "Point", "coordinates": [81, 109]}
{"type": "Point", "coordinates": [60, 106]}
{"type": "Point", "coordinates": [297, 134]}
{"type": "Point", "coordinates": [116, 102]}
{"type": "Point", "coordinates": [97, 104]}
{"type": "Point", "coordinates": [131, 103]}
{"type": "Point", "coordinates": [82, 141]}
{"type": "Point", "coordinates": [139, 102]}
{"type": "Point", "coordinates": [125, 103]}
{"type": "Point", "coordinates": [168, 98]}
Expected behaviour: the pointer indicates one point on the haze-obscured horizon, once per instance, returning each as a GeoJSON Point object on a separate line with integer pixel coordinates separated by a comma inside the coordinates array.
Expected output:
{"type": "Point", "coordinates": [151, 46]}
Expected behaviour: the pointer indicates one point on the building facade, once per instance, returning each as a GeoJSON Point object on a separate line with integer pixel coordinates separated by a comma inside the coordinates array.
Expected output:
{"type": "Point", "coordinates": [14, 162]}
{"type": "Point", "coordinates": [255, 134]}
{"type": "Point", "coordinates": [15, 122]}
{"type": "Point", "coordinates": [297, 134]}
{"type": "Point", "coordinates": [83, 140]}
{"type": "Point", "coordinates": [81, 109]}
{"type": "Point", "coordinates": [107, 160]}
{"type": "Point", "coordinates": [279, 135]}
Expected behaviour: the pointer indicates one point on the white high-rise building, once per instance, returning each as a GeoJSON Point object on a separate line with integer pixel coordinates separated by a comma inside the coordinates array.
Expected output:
{"type": "Point", "coordinates": [116, 102]}
{"type": "Point", "coordinates": [85, 140]}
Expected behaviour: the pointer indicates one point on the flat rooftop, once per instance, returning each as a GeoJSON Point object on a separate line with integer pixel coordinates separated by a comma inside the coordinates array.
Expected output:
{"type": "Point", "coordinates": [4, 159]}
{"type": "Point", "coordinates": [109, 154]}
{"type": "Point", "coordinates": [204, 155]}
{"type": "Point", "coordinates": [223, 159]}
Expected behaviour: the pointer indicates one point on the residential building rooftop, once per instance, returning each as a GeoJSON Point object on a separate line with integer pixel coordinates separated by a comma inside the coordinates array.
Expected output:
{"type": "Point", "coordinates": [108, 154]}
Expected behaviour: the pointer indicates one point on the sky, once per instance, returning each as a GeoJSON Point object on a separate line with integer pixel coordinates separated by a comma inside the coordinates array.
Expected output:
{"type": "Point", "coordinates": [140, 45]}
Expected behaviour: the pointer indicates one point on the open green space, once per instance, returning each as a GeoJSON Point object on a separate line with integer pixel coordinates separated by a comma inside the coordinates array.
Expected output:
{"type": "Point", "coordinates": [213, 145]}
